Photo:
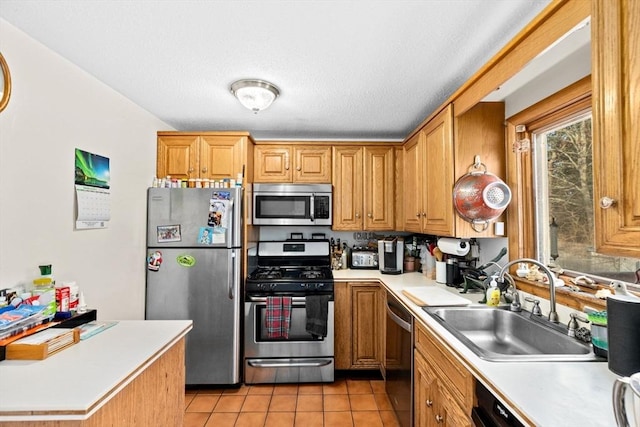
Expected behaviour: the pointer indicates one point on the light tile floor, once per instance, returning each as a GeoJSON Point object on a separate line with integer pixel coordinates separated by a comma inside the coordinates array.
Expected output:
{"type": "Point", "coordinates": [346, 402]}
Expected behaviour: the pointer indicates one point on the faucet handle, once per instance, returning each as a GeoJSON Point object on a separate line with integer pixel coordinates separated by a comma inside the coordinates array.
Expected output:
{"type": "Point", "coordinates": [535, 311]}
{"type": "Point", "coordinates": [572, 327]}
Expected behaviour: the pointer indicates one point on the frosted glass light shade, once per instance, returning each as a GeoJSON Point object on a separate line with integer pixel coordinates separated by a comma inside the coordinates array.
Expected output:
{"type": "Point", "coordinates": [256, 95]}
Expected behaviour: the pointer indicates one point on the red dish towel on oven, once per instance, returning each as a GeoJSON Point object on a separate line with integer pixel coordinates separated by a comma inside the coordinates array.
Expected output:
{"type": "Point", "coordinates": [278, 317]}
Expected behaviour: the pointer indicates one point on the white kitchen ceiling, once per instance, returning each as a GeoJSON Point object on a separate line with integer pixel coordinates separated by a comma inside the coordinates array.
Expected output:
{"type": "Point", "coordinates": [362, 70]}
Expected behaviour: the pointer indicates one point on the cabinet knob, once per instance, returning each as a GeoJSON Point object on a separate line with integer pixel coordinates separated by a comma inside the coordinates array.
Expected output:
{"type": "Point", "coordinates": [370, 215]}
{"type": "Point", "coordinates": [357, 215]}
{"type": "Point", "coordinates": [424, 214]}
{"type": "Point", "coordinates": [607, 202]}
{"type": "Point", "coordinates": [204, 169]}
{"type": "Point", "coordinates": [298, 168]}
{"type": "Point", "coordinates": [418, 214]}
{"type": "Point", "coordinates": [191, 170]}
{"type": "Point", "coordinates": [439, 419]}
{"type": "Point", "coordinates": [429, 403]}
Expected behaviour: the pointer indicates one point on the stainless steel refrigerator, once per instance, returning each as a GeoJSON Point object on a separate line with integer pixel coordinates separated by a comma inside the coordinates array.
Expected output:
{"type": "Point", "coordinates": [193, 261]}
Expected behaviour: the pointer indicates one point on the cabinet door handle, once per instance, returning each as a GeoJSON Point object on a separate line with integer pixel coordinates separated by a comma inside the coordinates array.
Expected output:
{"type": "Point", "coordinates": [607, 202]}
{"type": "Point", "coordinates": [191, 170]}
{"type": "Point", "coordinates": [370, 215]}
{"type": "Point", "coordinates": [298, 168]}
{"type": "Point", "coordinates": [429, 403]}
{"type": "Point", "coordinates": [439, 419]}
{"type": "Point", "coordinates": [204, 169]}
{"type": "Point", "coordinates": [357, 215]}
{"type": "Point", "coordinates": [424, 214]}
{"type": "Point", "coordinates": [418, 214]}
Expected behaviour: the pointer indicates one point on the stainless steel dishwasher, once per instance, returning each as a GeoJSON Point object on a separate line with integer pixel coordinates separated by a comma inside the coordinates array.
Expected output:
{"type": "Point", "coordinates": [399, 360]}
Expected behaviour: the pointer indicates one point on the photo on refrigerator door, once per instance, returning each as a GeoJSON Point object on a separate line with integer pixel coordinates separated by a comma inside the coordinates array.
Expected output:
{"type": "Point", "coordinates": [205, 236]}
{"type": "Point", "coordinates": [169, 233]}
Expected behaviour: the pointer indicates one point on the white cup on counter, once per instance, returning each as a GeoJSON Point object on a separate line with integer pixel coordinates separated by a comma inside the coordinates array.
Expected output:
{"type": "Point", "coordinates": [441, 272]}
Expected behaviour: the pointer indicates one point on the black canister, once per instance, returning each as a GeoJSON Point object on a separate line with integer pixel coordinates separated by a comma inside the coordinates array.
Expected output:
{"type": "Point", "coordinates": [623, 334]}
{"type": "Point", "coordinates": [453, 272]}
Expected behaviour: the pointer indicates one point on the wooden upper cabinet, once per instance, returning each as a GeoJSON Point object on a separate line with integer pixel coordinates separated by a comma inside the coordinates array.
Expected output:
{"type": "Point", "coordinates": [428, 177]}
{"type": "Point", "coordinates": [347, 188]}
{"type": "Point", "coordinates": [220, 157]}
{"type": "Point", "coordinates": [280, 163]}
{"type": "Point", "coordinates": [480, 131]}
{"type": "Point", "coordinates": [616, 125]}
{"type": "Point", "coordinates": [438, 185]}
{"type": "Point", "coordinates": [212, 155]}
{"type": "Point", "coordinates": [379, 200]}
{"type": "Point", "coordinates": [272, 164]}
{"type": "Point", "coordinates": [413, 182]}
{"type": "Point", "coordinates": [312, 164]}
{"type": "Point", "coordinates": [439, 154]}
{"type": "Point", "coordinates": [363, 182]}
{"type": "Point", "coordinates": [178, 156]}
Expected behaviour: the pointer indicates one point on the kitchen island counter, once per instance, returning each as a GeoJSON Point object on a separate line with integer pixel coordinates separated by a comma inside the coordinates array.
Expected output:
{"type": "Point", "coordinates": [539, 393]}
{"type": "Point", "coordinates": [130, 374]}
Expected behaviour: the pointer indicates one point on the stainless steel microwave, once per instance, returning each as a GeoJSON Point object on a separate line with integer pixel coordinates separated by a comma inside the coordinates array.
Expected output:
{"type": "Point", "coordinates": [292, 204]}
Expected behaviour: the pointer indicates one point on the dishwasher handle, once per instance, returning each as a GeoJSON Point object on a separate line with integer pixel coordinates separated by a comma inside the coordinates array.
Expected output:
{"type": "Point", "coordinates": [400, 322]}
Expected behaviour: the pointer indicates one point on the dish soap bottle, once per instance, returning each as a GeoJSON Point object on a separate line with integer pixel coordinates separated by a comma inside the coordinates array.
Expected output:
{"type": "Point", "coordinates": [493, 293]}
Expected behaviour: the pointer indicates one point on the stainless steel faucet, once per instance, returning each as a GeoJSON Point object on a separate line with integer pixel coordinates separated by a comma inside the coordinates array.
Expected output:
{"type": "Point", "coordinates": [553, 315]}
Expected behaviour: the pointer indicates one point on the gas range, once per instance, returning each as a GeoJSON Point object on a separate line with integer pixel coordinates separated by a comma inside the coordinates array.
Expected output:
{"type": "Point", "coordinates": [292, 267]}
{"type": "Point", "coordinates": [289, 300]}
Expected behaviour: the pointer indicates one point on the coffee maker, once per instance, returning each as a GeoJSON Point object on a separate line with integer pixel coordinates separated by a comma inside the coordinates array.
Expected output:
{"type": "Point", "coordinates": [391, 255]}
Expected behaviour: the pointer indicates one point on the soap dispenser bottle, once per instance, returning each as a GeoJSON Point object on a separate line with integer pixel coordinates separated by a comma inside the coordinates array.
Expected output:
{"type": "Point", "coordinates": [493, 293]}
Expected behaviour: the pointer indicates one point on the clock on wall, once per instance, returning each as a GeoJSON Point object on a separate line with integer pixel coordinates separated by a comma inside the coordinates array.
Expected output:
{"type": "Point", "coordinates": [5, 83]}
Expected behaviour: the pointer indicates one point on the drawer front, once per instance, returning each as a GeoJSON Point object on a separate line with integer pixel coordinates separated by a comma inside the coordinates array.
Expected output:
{"type": "Point", "coordinates": [452, 373]}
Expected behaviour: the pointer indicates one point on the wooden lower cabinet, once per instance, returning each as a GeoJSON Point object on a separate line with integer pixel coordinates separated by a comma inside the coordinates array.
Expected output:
{"type": "Point", "coordinates": [443, 388]}
{"type": "Point", "coordinates": [359, 325]}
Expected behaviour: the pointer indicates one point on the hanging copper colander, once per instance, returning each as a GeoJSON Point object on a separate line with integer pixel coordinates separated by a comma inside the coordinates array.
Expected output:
{"type": "Point", "coordinates": [480, 197]}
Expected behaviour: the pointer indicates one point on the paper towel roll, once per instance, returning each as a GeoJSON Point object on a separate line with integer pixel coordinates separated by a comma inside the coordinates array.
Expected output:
{"type": "Point", "coordinates": [454, 246]}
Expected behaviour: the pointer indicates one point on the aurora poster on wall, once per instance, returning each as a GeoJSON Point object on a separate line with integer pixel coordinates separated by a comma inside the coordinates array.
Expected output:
{"type": "Point", "coordinates": [92, 169]}
{"type": "Point", "coordinates": [92, 182]}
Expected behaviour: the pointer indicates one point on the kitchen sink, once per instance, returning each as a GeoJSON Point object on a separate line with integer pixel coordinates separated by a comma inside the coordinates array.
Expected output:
{"type": "Point", "coordinates": [500, 335]}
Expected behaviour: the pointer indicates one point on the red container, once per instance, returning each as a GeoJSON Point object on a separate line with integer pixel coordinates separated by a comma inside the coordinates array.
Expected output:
{"type": "Point", "coordinates": [63, 294]}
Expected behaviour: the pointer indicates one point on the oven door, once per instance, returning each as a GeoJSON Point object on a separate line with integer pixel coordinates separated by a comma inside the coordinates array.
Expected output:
{"type": "Point", "coordinates": [300, 358]}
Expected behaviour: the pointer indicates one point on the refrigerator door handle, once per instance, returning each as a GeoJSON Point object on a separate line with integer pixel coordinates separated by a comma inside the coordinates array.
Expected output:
{"type": "Point", "coordinates": [232, 274]}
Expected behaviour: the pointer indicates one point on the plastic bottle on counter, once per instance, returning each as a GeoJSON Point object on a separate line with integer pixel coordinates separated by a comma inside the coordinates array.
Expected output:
{"type": "Point", "coordinates": [493, 293]}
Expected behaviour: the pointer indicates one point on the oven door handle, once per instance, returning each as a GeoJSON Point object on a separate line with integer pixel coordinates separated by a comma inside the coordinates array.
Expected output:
{"type": "Point", "coordinates": [264, 299]}
{"type": "Point", "coordinates": [290, 363]}
{"type": "Point", "coordinates": [404, 325]}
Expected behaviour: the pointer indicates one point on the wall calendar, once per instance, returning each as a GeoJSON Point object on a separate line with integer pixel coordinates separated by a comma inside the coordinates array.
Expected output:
{"type": "Point", "coordinates": [92, 190]}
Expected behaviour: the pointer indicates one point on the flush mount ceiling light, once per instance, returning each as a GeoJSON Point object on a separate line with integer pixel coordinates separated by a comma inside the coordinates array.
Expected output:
{"type": "Point", "coordinates": [255, 94]}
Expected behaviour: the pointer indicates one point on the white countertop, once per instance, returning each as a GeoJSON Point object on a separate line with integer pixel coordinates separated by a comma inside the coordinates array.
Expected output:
{"type": "Point", "coordinates": [78, 380]}
{"type": "Point", "coordinates": [549, 394]}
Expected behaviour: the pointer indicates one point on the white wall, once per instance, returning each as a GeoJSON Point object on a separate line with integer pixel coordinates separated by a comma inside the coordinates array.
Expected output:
{"type": "Point", "coordinates": [54, 108]}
